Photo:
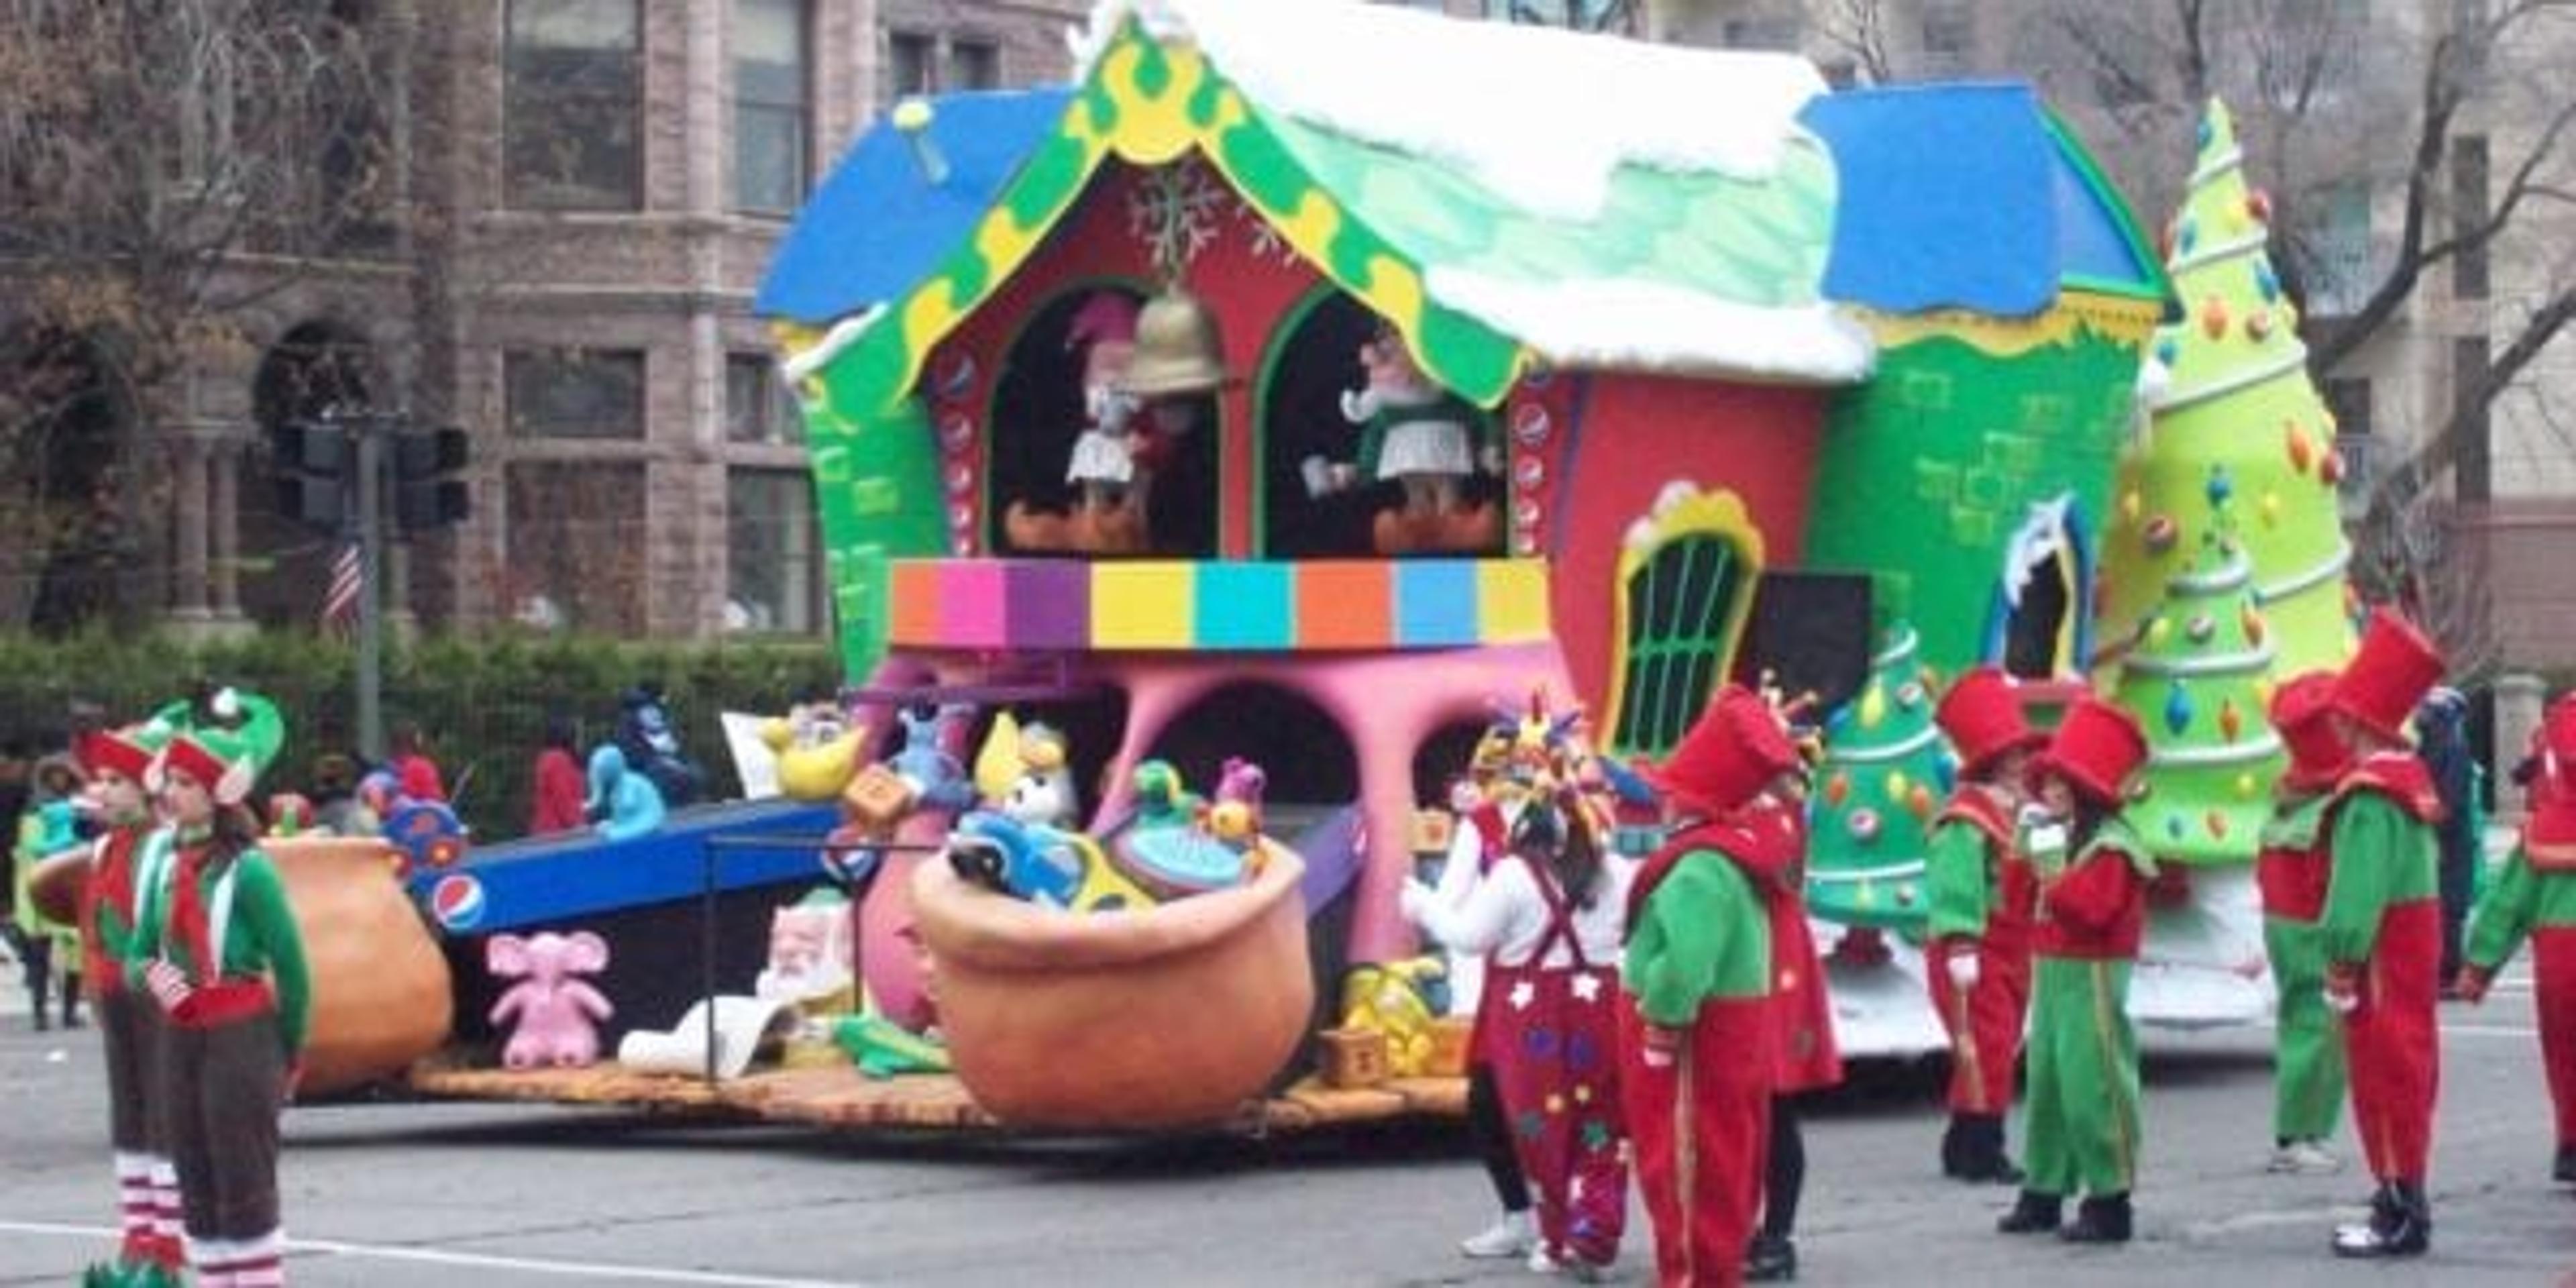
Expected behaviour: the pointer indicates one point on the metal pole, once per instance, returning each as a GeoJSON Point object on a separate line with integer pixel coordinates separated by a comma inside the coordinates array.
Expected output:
{"type": "Point", "coordinates": [368, 465]}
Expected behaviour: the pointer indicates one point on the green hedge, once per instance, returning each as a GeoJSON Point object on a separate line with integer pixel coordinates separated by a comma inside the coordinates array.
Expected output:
{"type": "Point", "coordinates": [482, 702]}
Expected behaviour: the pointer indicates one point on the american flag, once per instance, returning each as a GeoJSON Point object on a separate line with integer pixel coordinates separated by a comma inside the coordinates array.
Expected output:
{"type": "Point", "coordinates": [340, 602]}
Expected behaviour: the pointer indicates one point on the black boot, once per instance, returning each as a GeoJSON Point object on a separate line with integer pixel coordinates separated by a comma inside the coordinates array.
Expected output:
{"type": "Point", "coordinates": [2400, 1225]}
{"type": "Point", "coordinates": [2101, 1218]}
{"type": "Point", "coordinates": [1955, 1148]}
{"type": "Point", "coordinates": [71, 1000]}
{"type": "Point", "coordinates": [1991, 1164]}
{"type": "Point", "coordinates": [2563, 1168]}
{"type": "Point", "coordinates": [1772, 1258]}
{"type": "Point", "coordinates": [2036, 1213]}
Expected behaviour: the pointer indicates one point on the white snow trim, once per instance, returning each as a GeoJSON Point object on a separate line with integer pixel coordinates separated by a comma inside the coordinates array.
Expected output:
{"type": "Point", "coordinates": [2042, 534]}
{"type": "Point", "coordinates": [1918, 741]}
{"type": "Point", "coordinates": [2257, 748]}
{"type": "Point", "coordinates": [2177, 397]}
{"type": "Point", "coordinates": [1539, 115]}
{"type": "Point", "coordinates": [2314, 577]}
{"type": "Point", "coordinates": [1623, 324]}
{"type": "Point", "coordinates": [843, 334]}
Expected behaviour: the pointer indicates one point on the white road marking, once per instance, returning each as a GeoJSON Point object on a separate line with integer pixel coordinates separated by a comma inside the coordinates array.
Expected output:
{"type": "Point", "coordinates": [477, 1260]}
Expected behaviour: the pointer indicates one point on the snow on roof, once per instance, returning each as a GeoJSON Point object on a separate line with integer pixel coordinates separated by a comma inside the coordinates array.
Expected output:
{"type": "Point", "coordinates": [1633, 325]}
{"type": "Point", "coordinates": [1540, 115]}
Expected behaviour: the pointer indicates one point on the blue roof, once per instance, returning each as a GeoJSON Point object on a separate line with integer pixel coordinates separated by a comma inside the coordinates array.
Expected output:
{"type": "Point", "coordinates": [1946, 198]}
{"type": "Point", "coordinates": [877, 227]}
{"type": "Point", "coordinates": [2092, 240]}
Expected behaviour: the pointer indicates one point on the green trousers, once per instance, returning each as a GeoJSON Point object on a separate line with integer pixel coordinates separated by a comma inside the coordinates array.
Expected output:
{"type": "Point", "coordinates": [2307, 1063]}
{"type": "Point", "coordinates": [2081, 1110]}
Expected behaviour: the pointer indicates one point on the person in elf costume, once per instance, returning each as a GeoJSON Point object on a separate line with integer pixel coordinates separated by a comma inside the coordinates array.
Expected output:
{"type": "Point", "coordinates": [1700, 1028]}
{"type": "Point", "coordinates": [217, 947]}
{"type": "Point", "coordinates": [129, 1024]}
{"type": "Point", "coordinates": [1983, 897]}
{"type": "Point", "coordinates": [1806, 1057]}
{"type": "Point", "coordinates": [2383, 930]}
{"type": "Point", "coordinates": [1548, 917]}
{"type": "Point", "coordinates": [1486, 802]}
{"type": "Point", "coordinates": [2290, 870]}
{"type": "Point", "coordinates": [2093, 871]}
{"type": "Point", "coordinates": [2536, 897]}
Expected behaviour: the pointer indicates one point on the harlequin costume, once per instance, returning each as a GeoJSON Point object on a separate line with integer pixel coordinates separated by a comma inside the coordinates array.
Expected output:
{"type": "Point", "coordinates": [1805, 1056]}
{"type": "Point", "coordinates": [1983, 896]}
{"type": "Point", "coordinates": [1547, 1026]}
{"type": "Point", "coordinates": [2383, 935]}
{"type": "Point", "coordinates": [2082, 1114]}
{"type": "Point", "coordinates": [219, 950]}
{"type": "Point", "coordinates": [129, 1024]}
{"type": "Point", "coordinates": [1700, 1028]}
{"type": "Point", "coordinates": [2290, 870]}
{"type": "Point", "coordinates": [2536, 897]}
{"type": "Point", "coordinates": [1483, 828]}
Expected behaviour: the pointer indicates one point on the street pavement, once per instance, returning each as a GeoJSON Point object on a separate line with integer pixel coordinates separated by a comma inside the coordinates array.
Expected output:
{"type": "Point", "coordinates": [405, 1194]}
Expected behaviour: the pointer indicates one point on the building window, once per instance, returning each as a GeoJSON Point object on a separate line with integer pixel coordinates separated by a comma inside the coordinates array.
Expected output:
{"type": "Point", "coordinates": [575, 393]}
{"type": "Point", "coordinates": [910, 58]}
{"type": "Point", "coordinates": [2336, 234]}
{"type": "Point", "coordinates": [774, 553]}
{"type": "Point", "coordinates": [576, 546]}
{"type": "Point", "coordinates": [2473, 470]}
{"type": "Point", "coordinates": [759, 407]}
{"type": "Point", "coordinates": [572, 105]}
{"type": "Point", "coordinates": [974, 64]}
{"type": "Point", "coordinates": [2469, 212]}
{"type": "Point", "coordinates": [1779, 35]}
{"type": "Point", "coordinates": [770, 148]}
{"type": "Point", "coordinates": [2350, 403]}
{"type": "Point", "coordinates": [1949, 30]}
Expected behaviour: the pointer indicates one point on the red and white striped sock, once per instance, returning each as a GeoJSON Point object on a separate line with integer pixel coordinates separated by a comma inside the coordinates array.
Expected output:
{"type": "Point", "coordinates": [260, 1262]}
{"type": "Point", "coordinates": [169, 1215]}
{"type": "Point", "coordinates": [212, 1259]}
{"type": "Point", "coordinates": [135, 1207]}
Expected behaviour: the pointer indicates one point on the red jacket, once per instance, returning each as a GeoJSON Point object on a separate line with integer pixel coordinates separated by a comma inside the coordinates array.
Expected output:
{"type": "Point", "coordinates": [2096, 908]}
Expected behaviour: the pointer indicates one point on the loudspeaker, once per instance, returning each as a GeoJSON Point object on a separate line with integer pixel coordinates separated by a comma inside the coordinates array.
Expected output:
{"type": "Point", "coordinates": [1812, 631]}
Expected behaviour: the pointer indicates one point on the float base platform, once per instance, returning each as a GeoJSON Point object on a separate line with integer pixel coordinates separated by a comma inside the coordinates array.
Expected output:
{"type": "Point", "coordinates": [843, 1099]}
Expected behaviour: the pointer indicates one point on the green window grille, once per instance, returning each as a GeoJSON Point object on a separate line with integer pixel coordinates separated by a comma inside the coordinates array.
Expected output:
{"type": "Point", "coordinates": [1679, 610]}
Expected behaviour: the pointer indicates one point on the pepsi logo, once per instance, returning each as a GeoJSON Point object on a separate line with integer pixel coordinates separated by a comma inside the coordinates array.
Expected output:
{"type": "Point", "coordinates": [457, 902]}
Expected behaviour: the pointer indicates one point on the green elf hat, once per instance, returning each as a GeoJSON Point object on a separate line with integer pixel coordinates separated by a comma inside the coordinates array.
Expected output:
{"type": "Point", "coordinates": [231, 751]}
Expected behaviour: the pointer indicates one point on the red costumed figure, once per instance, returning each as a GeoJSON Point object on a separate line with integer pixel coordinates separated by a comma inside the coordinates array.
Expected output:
{"type": "Point", "coordinates": [219, 950]}
{"type": "Point", "coordinates": [129, 1025]}
{"type": "Point", "coordinates": [1805, 1055]}
{"type": "Point", "coordinates": [2290, 869]}
{"type": "Point", "coordinates": [1549, 917]}
{"type": "Point", "coordinates": [1701, 1029]}
{"type": "Point", "coordinates": [2536, 896]}
{"type": "Point", "coordinates": [2383, 931]}
{"type": "Point", "coordinates": [1983, 896]}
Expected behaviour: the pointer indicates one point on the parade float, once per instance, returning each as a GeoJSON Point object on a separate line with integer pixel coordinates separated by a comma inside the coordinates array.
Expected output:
{"type": "Point", "coordinates": [1209, 413]}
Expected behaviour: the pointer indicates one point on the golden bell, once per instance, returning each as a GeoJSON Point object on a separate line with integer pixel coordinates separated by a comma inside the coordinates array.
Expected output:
{"type": "Point", "coordinates": [1177, 351]}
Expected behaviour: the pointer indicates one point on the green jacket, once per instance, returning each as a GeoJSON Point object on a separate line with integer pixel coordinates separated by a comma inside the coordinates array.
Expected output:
{"type": "Point", "coordinates": [1703, 934]}
{"type": "Point", "coordinates": [2382, 856]}
{"type": "Point", "coordinates": [259, 935]}
{"type": "Point", "coordinates": [2523, 899]}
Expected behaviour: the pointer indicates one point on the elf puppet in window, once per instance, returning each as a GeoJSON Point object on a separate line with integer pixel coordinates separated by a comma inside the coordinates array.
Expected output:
{"type": "Point", "coordinates": [1431, 441]}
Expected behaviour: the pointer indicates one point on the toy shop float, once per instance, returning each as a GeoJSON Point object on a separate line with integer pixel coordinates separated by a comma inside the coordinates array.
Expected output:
{"type": "Point", "coordinates": [1218, 413]}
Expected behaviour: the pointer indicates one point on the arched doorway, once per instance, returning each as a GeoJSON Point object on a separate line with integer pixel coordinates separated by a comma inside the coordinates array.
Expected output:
{"type": "Point", "coordinates": [75, 548]}
{"type": "Point", "coordinates": [317, 368]}
{"type": "Point", "coordinates": [2041, 611]}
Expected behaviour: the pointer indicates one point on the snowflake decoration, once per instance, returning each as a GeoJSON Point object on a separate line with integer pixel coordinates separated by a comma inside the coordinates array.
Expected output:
{"type": "Point", "coordinates": [1263, 236]}
{"type": "Point", "coordinates": [1176, 211]}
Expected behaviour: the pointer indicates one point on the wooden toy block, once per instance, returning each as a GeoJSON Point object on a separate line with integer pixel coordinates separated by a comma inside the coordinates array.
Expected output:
{"type": "Point", "coordinates": [1245, 606]}
{"type": "Point", "coordinates": [1353, 1057]}
{"type": "Point", "coordinates": [1141, 605]}
{"type": "Point", "coordinates": [1344, 604]}
{"type": "Point", "coordinates": [1512, 601]}
{"type": "Point", "coordinates": [1435, 602]}
{"type": "Point", "coordinates": [1449, 1036]}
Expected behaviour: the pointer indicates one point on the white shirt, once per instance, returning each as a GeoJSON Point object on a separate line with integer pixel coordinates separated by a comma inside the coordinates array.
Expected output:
{"type": "Point", "coordinates": [1504, 913]}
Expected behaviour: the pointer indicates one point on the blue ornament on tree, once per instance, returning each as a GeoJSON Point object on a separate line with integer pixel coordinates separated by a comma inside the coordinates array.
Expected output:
{"type": "Point", "coordinates": [2267, 281]}
{"type": "Point", "coordinates": [2221, 485]}
{"type": "Point", "coordinates": [2178, 710]}
{"type": "Point", "coordinates": [2188, 235]}
{"type": "Point", "coordinates": [2167, 350]}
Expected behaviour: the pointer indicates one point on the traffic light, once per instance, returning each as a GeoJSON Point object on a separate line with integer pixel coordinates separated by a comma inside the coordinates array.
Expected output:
{"type": "Point", "coordinates": [313, 460]}
{"type": "Point", "coordinates": [427, 493]}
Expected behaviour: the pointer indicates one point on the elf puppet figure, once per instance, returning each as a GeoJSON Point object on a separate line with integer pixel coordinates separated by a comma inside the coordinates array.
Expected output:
{"type": "Point", "coordinates": [1423, 437]}
{"type": "Point", "coordinates": [129, 1025]}
{"type": "Point", "coordinates": [2291, 870]}
{"type": "Point", "coordinates": [1103, 464]}
{"type": "Point", "coordinates": [2383, 930]}
{"type": "Point", "coordinates": [2536, 897]}
{"type": "Point", "coordinates": [1983, 897]}
{"type": "Point", "coordinates": [1700, 1032]}
{"type": "Point", "coordinates": [2093, 871]}
{"type": "Point", "coordinates": [217, 947]}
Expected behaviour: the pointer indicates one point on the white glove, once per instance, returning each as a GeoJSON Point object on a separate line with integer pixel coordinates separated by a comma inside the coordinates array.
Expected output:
{"type": "Point", "coordinates": [1489, 458]}
{"type": "Point", "coordinates": [2341, 1002]}
{"type": "Point", "coordinates": [168, 983]}
{"type": "Point", "coordinates": [1415, 899]}
{"type": "Point", "coordinates": [1962, 965]}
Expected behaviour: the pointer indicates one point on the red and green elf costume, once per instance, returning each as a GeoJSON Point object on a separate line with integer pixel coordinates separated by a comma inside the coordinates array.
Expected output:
{"type": "Point", "coordinates": [2536, 897]}
{"type": "Point", "coordinates": [2290, 870]}
{"type": "Point", "coordinates": [1700, 1030]}
{"type": "Point", "coordinates": [1983, 897]}
{"type": "Point", "coordinates": [2082, 1111]}
{"type": "Point", "coordinates": [220, 950]}
{"type": "Point", "coordinates": [128, 1024]}
{"type": "Point", "coordinates": [2383, 935]}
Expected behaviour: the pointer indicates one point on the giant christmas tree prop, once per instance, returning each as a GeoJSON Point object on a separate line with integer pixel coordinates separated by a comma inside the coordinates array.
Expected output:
{"type": "Point", "coordinates": [1886, 768]}
{"type": "Point", "coordinates": [2238, 398]}
{"type": "Point", "coordinates": [2197, 677]}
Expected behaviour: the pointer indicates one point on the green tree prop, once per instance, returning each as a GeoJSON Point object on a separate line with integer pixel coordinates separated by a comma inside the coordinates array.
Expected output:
{"type": "Point", "coordinates": [2197, 676]}
{"type": "Point", "coordinates": [1886, 769]}
{"type": "Point", "coordinates": [2238, 398]}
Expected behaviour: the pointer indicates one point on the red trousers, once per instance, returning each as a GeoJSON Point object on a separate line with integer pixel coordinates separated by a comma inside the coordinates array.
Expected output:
{"type": "Point", "coordinates": [1700, 1126]}
{"type": "Point", "coordinates": [2553, 962]}
{"type": "Point", "coordinates": [1985, 1026]}
{"type": "Point", "coordinates": [1556, 1067]}
{"type": "Point", "coordinates": [2392, 1046]}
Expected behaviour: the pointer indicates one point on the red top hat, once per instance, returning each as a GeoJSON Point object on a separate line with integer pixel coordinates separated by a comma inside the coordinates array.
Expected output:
{"type": "Point", "coordinates": [2096, 748]}
{"type": "Point", "coordinates": [112, 751]}
{"type": "Point", "coordinates": [2390, 673]}
{"type": "Point", "coordinates": [1983, 717]}
{"type": "Point", "coordinates": [2551, 831]}
{"type": "Point", "coordinates": [2318, 755]}
{"type": "Point", "coordinates": [1725, 760]}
